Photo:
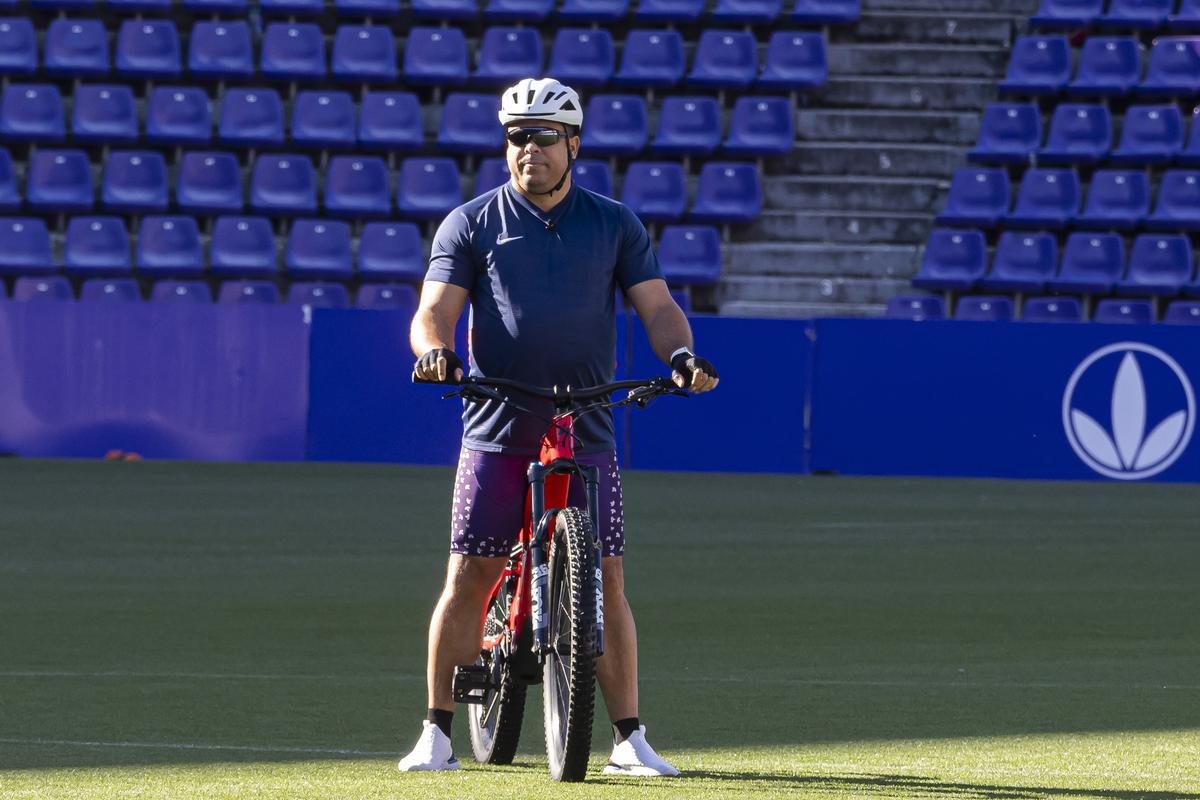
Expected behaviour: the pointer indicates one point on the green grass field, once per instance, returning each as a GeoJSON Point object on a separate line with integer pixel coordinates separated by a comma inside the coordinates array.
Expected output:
{"type": "Point", "coordinates": [174, 630]}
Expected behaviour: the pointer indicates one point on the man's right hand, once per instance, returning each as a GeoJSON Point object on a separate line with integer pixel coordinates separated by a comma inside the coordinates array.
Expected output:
{"type": "Point", "coordinates": [440, 365]}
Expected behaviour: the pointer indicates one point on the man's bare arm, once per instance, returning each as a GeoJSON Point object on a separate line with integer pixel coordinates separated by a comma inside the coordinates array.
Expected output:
{"type": "Point", "coordinates": [433, 326]}
{"type": "Point", "coordinates": [666, 325]}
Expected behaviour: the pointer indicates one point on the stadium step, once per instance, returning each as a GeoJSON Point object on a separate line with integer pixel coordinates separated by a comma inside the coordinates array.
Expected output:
{"type": "Point", "coordinates": [915, 94]}
{"type": "Point", "coordinates": [821, 260]}
{"type": "Point", "coordinates": [927, 127]}
{"type": "Point", "coordinates": [917, 59]}
{"type": "Point", "coordinates": [942, 28]}
{"type": "Point", "coordinates": [1017, 8]}
{"type": "Point", "coordinates": [765, 289]}
{"type": "Point", "coordinates": [889, 158]}
{"type": "Point", "coordinates": [751, 308]}
{"type": "Point", "coordinates": [851, 192]}
{"type": "Point", "coordinates": [850, 227]}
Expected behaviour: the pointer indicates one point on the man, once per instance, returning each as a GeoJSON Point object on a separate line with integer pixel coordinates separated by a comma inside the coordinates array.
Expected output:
{"type": "Point", "coordinates": [540, 260]}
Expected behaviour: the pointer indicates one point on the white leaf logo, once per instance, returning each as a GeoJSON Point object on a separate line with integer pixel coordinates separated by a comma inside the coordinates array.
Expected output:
{"type": "Point", "coordinates": [1161, 440]}
{"type": "Point", "coordinates": [1095, 440]}
{"type": "Point", "coordinates": [1129, 410]}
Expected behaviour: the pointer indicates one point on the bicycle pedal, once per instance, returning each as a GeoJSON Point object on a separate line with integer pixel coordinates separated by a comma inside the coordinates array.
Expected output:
{"type": "Point", "coordinates": [471, 683]}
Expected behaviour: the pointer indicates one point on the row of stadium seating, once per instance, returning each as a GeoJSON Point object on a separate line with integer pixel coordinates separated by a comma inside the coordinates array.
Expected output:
{"type": "Point", "coordinates": [1130, 14]}
{"type": "Point", "coordinates": [1040, 309]}
{"type": "Point", "coordinates": [1107, 67]}
{"type": "Point", "coordinates": [723, 59]}
{"type": "Point", "coordinates": [330, 120]}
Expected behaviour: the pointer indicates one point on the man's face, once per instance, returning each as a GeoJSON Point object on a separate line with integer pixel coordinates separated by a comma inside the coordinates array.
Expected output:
{"type": "Point", "coordinates": [537, 167]}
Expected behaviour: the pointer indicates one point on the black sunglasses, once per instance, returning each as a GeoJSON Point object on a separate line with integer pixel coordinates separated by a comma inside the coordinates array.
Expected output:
{"type": "Point", "coordinates": [542, 137]}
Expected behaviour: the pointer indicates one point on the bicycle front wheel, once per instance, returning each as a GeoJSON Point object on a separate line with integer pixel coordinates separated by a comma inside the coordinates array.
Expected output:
{"type": "Point", "coordinates": [496, 722]}
{"type": "Point", "coordinates": [569, 672]}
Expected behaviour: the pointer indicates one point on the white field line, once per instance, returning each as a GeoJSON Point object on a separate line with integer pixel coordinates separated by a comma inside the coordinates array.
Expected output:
{"type": "Point", "coordinates": [317, 751]}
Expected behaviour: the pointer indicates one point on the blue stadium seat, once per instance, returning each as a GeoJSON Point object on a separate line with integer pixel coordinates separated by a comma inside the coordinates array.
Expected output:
{"type": "Point", "coordinates": [250, 292]}
{"type": "Point", "coordinates": [690, 254]}
{"type": "Point", "coordinates": [10, 197]}
{"type": "Point", "coordinates": [518, 10]}
{"type": "Point", "coordinates": [390, 120]}
{"type": "Point", "coordinates": [428, 188]}
{"type": "Point", "coordinates": [229, 7]}
{"type": "Point", "coordinates": [677, 11]}
{"type": "Point", "coordinates": [506, 55]}
{"type": "Point", "coordinates": [1079, 134]}
{"type": "Point", "coordinates": [135, 181]}
{"type": "Point", "coordinates": [593, 175]}
{"type": "Point", "coordinates": [243, 247]}
{"type": "Point", "coordinates": [1186, 17]}
{"type": "Point", "coordinates": [1183, 312]}
{"type": "Point", "coordinates": [1150, 135]}
{"type": "Point", "coordinates": [582, 57]}
{"type": "Point", "coordinates": [917, 308]}
{"type": "Point", "coordinates": [445, 9]}
{"type": "Point", "coordinates": [54, 288]}
{"type": "Point", "coordinates": [1039, 65]}
{"type": "Point", "coordinates": [651, 59]}
{"type": "Point", "coordinates": [18, 46]}
{"type": "Point", "coordinates": [357, 186]}
{"type": "Point", "coordinates": [1092, 263]}
{"type": "Point", "coordinates": [172, 291]}
{"type": "Point", "coordinates": [1159, 264]}
{"type": "Point", "coordinates": [978, 196]}
{"type": "Point", "coordinates": [795, 60]}
{"type": "Point", "coordinates": [1023, 262]}
{"type": "Point", "coordinates": [368, 8]}
{"type": "Point", "coordinates": [221, 50]}
{"type": "Point", "coordinates": [1174, 69]}
{"type": "Point", "coordinates": [1009, 133]}
{"type": "Point", "coordinates": [209, 183]}
{"type": "Point", "coordinates": [391, 251]}
{"type": "Point", "coordinates": [25, 246]}
{"type": "Point", "coordinates": [826, 12]}
{"type": "Point", "coordinates": [324, 119]}
{"type": "Point", "coordinates": [387, 297]}
{"type": "Point", "coordinates": [984, 309]}
{"type": "Point", "coordinates": [724, 60]}
{"type": "Point", "coordinates": [1117, 200]}
{"type": "Point", "coordinates": [655, 190]}
{"type": "Point", "coordinates": [365, 53]}
{"type": "Point", "coordinates": [1108, 67]}
{"type": "Point", "coordinates": [470, 124]}
{"type": "Point", "coordinates": [616, 126]}
{"type": "Point", "coordinates": [599, 11]}
{"type": "Point", "coordinates": [1067, 13]}
{"type": "Point", "coordinates": [76, 47]}
{"type": "Point", "coordinates": [1178, 205]}
{"type": "Point", "coordinates": [727, 192]}
{"type": "Point", "coordinates": [179, 115]}
{"type": "Point", "coordinates": [761, 126]}
{"type": "Point", "coordinates": [436, 56]}
{"type": "Point", "coordinates": [309, 8]}
{"type": "Point", "coordinates": [293, 51]}
{"type": "Point", "coordinates": [953, 259]}
{"type": "Point", "coordinates": [32, 113]}
{"type": "Point", "coordinates": [1124, 312]}
{"type": "Point", "coordinates": [492, 172]}
{"type": "Point", "coordinates": [1136, 14]}
{"type": "Point", "coordinates": [1052, 309]}
{"type": "Point", "coordinates": [135, 6]}
{"type": "Point", "coordinates": [318, 295]}
{"type": "Point", "coordinates": [60, 180]}
{"type": "Point", "coordinates": [104, 115]}
{"type": "Point", "coordinates": [283, 184]}
{"type": "Point", "coordinates": [110, 290]}
{"type": "Point", "coordinates": [1047, 198]}
{"type": "Point", "coordinates": [1190, 155]}
{"type": "Point", "coordinates": [169, 247]}
{"type": "Point", "coordinates": [149, 49]}
{"type": "Point", "coordinates": [746, 12]}
{"type": "Point", "coordinates": [688, 126]}
{"type": "Point", "coordinates": [319, 248]}
{"type": "Point", "coordinates": [251, 117]}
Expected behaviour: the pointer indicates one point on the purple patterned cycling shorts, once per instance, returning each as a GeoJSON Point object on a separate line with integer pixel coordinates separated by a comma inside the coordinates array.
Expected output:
{"type": "Point", "coordinates": [489, 502]}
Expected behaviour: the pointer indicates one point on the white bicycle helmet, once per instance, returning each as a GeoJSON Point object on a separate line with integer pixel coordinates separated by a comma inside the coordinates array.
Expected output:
{"type": "Point", "coordinates": [541, 99]}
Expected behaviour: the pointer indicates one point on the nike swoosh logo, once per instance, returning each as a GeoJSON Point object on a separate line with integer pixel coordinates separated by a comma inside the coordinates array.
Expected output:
{"type": "Point", "coordinates": [507, 239]}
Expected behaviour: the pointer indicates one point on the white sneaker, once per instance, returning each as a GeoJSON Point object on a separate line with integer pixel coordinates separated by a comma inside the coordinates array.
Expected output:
{"type": "Point", "coordinates": [432, 752]}
{"type": "Point", "coordinates": [635, 756]}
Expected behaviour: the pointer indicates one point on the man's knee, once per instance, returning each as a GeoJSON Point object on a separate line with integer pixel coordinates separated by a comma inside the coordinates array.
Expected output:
{"type": "Point", "coordinates": [471, 576]}
{"type": "Point", "coordinates": [613, 573]}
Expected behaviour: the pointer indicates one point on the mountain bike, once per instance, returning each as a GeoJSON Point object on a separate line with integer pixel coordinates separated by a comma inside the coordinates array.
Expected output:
{"type": "Point", "coordinates": [544, 619]}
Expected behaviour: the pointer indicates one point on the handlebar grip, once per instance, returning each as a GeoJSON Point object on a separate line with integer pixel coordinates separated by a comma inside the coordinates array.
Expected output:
{"type": "Point", "coordinates": [416, 379]}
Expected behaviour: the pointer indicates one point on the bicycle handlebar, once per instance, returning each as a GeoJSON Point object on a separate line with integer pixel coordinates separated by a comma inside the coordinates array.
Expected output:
{"type": "Point", "coordinates": [566, 396]}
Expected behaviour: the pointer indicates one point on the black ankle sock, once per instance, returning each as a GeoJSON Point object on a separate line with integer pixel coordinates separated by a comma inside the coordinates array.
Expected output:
{"type": "Point", "coordinates": [441, 718]}
{"type": "Point", "coordinates": [624, 728]}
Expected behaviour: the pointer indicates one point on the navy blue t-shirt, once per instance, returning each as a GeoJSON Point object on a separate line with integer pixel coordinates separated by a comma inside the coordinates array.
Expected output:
{"type": "Point", "coordinates": [542, 288]}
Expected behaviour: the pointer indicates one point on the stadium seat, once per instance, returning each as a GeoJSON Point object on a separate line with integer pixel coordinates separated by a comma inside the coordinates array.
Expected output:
{"type": "Point", "coordinates": [669, 11]}
{"type": "Point", "coordinates": [1150, 135]}
{"type": "Point", "coordinates": [826, 12]}
{"type": "Point", "coordinates": [104, 115]}
{"type": "Point", "coordinates": [26, 246]}
{"type": "Point", "coordinates": [1067, 13]}
{"type": "Point", "coordinates": [209, 183]}
{"type": "Point", "coordinates": [135, 181]}
{"type": "Point", "coordinates": [76, 47]}
{"type": "Point", "coordinates": [169, 247]}
{"type": "Point", "coordinates": [1023, 262]}
{"type": "Point", "coordinates": [518, 10]}
{"type": "Point", "coordinates": [953, 259]}
{"type": "Point", "coordinates": [251, 118]}
{"type": "Point", "coordinates": [794, 60]}
{"type": "Point", "coordinates": [251, 292]}
{"type": "Point", "coordinates": [32, 113]}
{"type": "Point", "coordinates": [283, 184]}
{"type": "Point", "coordinates": [110, 290]}
{"type": "Point", "coordinates": [428, 188]}
{"type": "Point", "coordinates": [1159, 264]}
{"type": "Point", "coordinates": [149, 49]}
{"type": "Point", "coordinates": [1139, 14]}
{"type": "Point", "coordinates": [1116, 200]}
{"type": "Point", "coordinates": [243, 247]}
{"type": "Point", "coordinates": [1177, 207]}
{"type": "Point", "coordinates": [18, 46]}
{"type": "Point", "coordinates": [761, 126]}
{"type": "Point", "coordinates": [688, 126]}
{"type": "Point", "coordinates": [1039, 65]}
{"type": "Point", "coordinates": [651, 59]}
{"type": "Point", "coordinates": [490, 173]}
{"type": "Point", "coordinates": [655, 190]}
{"type": "Point", "coordinates": [292, 7]}
{"type": "Point", "coordinates": [593, 176]}
{"type": "Point", "coordinates": [470, 124]}
{"type": "Point", "coordinates": [364, 53]}
{"type": "Point", "coordinates": [179, 116]}
{"type": "Point", "coordinates": [230, 7]}
{"type": "Point", "coordinates": [746, 12]}
{"type": "Point", "coordinates": [10, 197]}
{"type": "Point", "coordinates": [445, 9]}
{"type": "Point", "coordinates": [318, 295]}
{"type": "Point", "coordinates": [1092, 263]}
{"type": "Point", "coordinates": [367, 8]}
{"type": "Point", "coordinates": [387, 297]}
{"type": "Point", "coordinates": [724, 60]}
{"type": "Point", "coordinates": [727, 192]}
{"type": "Point", "coordinates": [436, 56]}
{"type": "Point", "coordinates": [598, 11]}
{"type": "Point", "coordinates": [324, 119]}
{"type": "Point", "coordinates": [1047, 198]}
{"type": "Point", "coordinates": [293, 51]}
{"type": "Point", "coordinates": [171, 291]}
{"type": "Point", "coordinates": [1183, 312]}
{"type": "Point", "coordinates": [984, 309]}
{"type": "Point", "coordinates": [1079, 134]}
{"type": "Point", "coordinates": [319, 248]}
{"type": "Point", "coordinates": [1174, 69]}
{"type": "Point", "coordinates": [391, 121]}
{"type": "Point", "coordinates": [978, 196]}
{"type": "Point", "coordinates": [391, 251]}
{"type": "Point", "coordinates": [1108, 67]}
{"type": "Point", "coordinates": [1186, 17]}
{"type": "Point", "coordinates": [915, 307]}
{"type": "Point", "coordinates": [690, 254]}
{"type": "Point", "coordinates": [1052, 309]}
{"type": "Point", "coordinates": [616, 126]}
{"type": "Point", "coordinates": [506, 55]}
{"type": "Point", "coordinates": [60, 180]}
{"type": "Point", "coordinates": [221, 50]}
{"type": "Point", "coordinates": [1124, 312]}
{"type": "Point", "coordinates": [582, 57]}
{"type": "Point", "coordinates": [1009, 133]}
{"type": "Point", "coordinates": [54, 288]}
{"type": "Point", "coordinates": [357, 186]}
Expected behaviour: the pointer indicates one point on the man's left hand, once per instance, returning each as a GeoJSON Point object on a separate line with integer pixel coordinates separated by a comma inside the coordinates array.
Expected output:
{"type": "Point", "coordinates": [694, 373]}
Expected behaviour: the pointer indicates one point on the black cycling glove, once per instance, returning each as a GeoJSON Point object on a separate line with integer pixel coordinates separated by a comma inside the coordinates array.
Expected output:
{"type": "Point", "coordinates": [428, 363]}
{"type": "Point", "coordinates": [686, 363]}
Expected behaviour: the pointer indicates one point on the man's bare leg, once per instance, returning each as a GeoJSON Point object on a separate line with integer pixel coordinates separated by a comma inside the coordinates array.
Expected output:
{"type": "Point", "coordinates": [617, 668]}
{"type": "Point", "coordinates": [456, 628]}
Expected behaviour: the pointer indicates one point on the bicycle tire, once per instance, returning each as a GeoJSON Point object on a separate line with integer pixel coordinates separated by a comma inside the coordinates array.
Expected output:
{"type": "Point", "coordinates": [496, 723]}
{"type": "Point", "coordinates": [569, 684]}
